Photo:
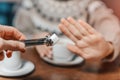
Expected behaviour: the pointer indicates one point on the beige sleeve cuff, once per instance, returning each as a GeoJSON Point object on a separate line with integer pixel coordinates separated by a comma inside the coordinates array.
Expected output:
{"type": "Point", "coordinates": [115, 53]}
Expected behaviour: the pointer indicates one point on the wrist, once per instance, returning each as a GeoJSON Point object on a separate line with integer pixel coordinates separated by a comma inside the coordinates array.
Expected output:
{"type": "Point", "coordinates": [111, 48]}
{"type": "Point", "coordinates": [110, 51]}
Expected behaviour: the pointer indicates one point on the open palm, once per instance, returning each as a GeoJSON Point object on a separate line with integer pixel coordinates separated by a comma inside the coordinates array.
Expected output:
{"type": "Point", "coordinates": [89, 43]}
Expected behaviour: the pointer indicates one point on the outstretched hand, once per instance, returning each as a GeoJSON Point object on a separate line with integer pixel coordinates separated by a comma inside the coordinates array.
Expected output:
{"type": "Point", "coordinates": [89, 43]}
{"type": "Point", "coordinates": [8, 35]}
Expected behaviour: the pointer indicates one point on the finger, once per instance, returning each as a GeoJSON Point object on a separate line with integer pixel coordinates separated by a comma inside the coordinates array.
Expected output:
{"type": "Point", "coordinates": [11, 33]}
{"type": "Point", "coordinates": [87, 39]}
{"type": "Point", "coordinates": [41, 50]}
{"type": "Point", "coordinates": [50, 47]}
{"type": "Point", "coordinates": [67, 33]}
{"type": "Point", "coordinates": [50, 55]}
{"type": "Point", "coordinates": [72, 28]}
{"type": "Point", "coordinates": [87, 26]}
{"type": "Point", "coordinates": [18, 35]}
{"type": "Point", "coordinates": [75, 49]}
{"type": "Point", "coordinates": [82, 44]}
{"type": "Point", "coordinates": [48, 52]}
{"type": "Point", "coordinates": [92, 39]}
{"type": "Point", "coordinates": [12, 45]}
{"type": "Point", "coordinates": [1, 55]}
{"type": "Point", "coordinates": [81, 29]}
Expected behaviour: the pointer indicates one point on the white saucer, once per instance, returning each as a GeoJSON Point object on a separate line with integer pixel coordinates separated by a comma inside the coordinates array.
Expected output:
{"type": "Point", "coordinates": [25, 69]}
{"type": "Point", "coordinates": [76, 61]}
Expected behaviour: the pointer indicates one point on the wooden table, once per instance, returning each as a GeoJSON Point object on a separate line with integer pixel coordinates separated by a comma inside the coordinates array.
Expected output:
{"type": "Point", "coordinates": [45, 71]}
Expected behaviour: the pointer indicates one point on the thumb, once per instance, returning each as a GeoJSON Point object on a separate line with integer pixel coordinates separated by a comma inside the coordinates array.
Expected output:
{"type": "Point", "coordinates": [11, 45]}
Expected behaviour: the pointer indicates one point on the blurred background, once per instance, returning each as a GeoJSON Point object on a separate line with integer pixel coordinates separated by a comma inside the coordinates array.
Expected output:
{"type": "Point", "coordinates": [8, 9]}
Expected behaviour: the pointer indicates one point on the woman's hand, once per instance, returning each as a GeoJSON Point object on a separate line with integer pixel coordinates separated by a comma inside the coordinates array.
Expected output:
{"type": "Point", "coordinates": [89, 43]}
{"type": "Point", "coordinates": [43, 50]}
{"type": "Point", "coordinates": [8, 35]}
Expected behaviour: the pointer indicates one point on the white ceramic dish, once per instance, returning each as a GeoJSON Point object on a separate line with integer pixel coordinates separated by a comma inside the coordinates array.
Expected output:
{"type": "Point", "coordinates": [15, 66]}
{"type": "Point", "coordinates": [76, 61]}
{"type": "Point", "coordinates": [62, 56]}
{"type": "Point", "coordinates": [26, 68]}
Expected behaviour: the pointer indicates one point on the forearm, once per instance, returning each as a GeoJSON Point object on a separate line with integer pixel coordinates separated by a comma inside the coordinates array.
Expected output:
{"type": "Point", "coordinates": [108, 25]}
{"type": "Point", "coordinates": [109, 28]}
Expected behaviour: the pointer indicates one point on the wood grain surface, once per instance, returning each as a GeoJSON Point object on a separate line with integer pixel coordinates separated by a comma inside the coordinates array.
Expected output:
{"type": "Point", "coordinates": [45, 71]}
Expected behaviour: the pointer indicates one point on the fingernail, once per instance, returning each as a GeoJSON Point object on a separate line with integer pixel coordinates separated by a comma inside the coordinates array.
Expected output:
{"type": "Point", "coordinates": [22, 47]}
{"type": "Point", "coordinates": [23, 50]}
{"type": "Point", "coordinates": [9, 54]}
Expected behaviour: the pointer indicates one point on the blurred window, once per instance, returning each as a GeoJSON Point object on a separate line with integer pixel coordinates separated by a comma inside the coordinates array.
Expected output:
{"type": "Point", "coordinates": [6, 13]}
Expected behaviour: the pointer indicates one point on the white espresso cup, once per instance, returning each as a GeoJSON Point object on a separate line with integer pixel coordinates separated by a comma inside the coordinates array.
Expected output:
{"type": "Point", "coordinates": [60, 51]}
{"type": "Point", "coordinates": [14, 62]}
